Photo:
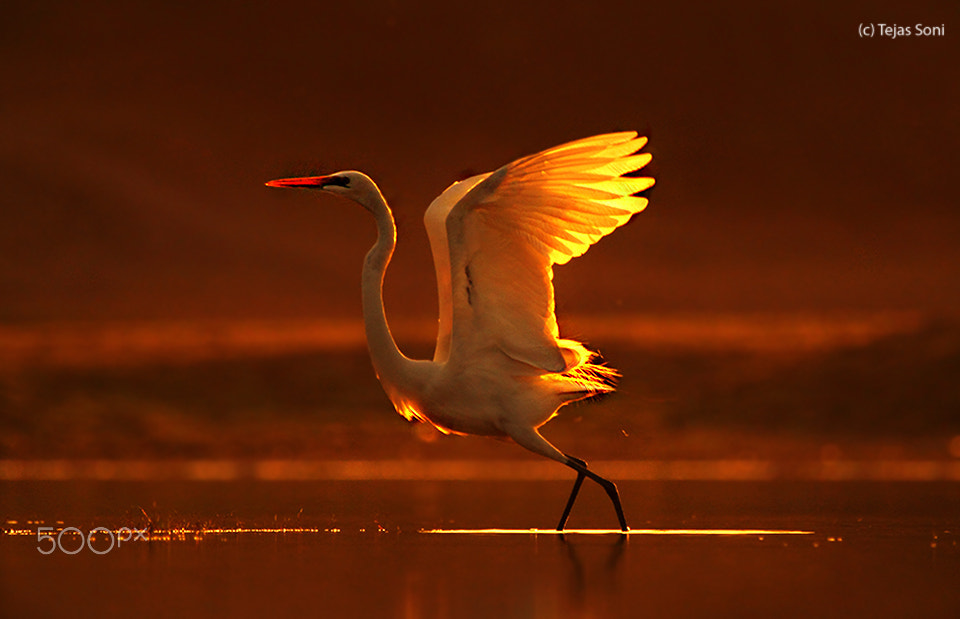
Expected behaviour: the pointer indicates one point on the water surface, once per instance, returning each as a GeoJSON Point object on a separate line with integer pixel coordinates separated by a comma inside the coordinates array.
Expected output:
{"type": "Point", "coordinates": [359, 549]}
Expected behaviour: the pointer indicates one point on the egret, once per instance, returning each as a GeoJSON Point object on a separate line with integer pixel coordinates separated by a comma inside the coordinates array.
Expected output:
{"type": "Point", "coordinates": [500, 368]}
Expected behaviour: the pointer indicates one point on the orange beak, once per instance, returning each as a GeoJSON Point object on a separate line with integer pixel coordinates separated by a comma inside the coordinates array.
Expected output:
{"type": "Point", "coordinates": [317, 182]}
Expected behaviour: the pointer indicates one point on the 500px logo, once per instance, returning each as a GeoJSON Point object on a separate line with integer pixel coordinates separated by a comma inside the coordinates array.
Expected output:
{"type": "Point", "coordinates": [47, 543]}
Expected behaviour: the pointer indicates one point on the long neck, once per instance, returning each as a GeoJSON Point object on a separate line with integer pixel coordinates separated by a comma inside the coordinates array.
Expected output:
{"type": "Point", "coordinates": [387, 359]}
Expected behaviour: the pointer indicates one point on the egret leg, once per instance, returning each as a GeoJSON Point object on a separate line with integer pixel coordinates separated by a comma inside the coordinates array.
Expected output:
{"type": "Point", "coordinates": [529, 437]}
{"type": "Point", "coordinates": [570, 501]}
{"type": "Point", "coordinates": [611, 489]}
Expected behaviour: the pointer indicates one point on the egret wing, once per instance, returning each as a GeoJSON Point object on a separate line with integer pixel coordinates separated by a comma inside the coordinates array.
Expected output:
{"type": "Point", "coordinates": [435, 221]}
{"type": "Point", "coordinates": [506, 232]}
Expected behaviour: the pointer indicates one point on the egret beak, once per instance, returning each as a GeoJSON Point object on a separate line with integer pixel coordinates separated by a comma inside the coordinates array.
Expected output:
{"type": "Point", "coordinates": [316, 182]}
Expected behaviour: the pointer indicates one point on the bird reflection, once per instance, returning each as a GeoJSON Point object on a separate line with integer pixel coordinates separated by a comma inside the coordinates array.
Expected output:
{"type": "Point", "coordinates": [602, 577]}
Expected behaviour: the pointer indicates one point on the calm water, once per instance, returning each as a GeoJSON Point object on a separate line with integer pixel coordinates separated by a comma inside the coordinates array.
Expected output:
{"type": "Point", "coordinates": [876, 549]}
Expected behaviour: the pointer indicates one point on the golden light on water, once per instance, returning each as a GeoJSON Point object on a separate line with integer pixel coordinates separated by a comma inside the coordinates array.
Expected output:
{"type": "Point", "coordinates": [182, 533]}
{"type": "Point", "coordinates": [708, 532]}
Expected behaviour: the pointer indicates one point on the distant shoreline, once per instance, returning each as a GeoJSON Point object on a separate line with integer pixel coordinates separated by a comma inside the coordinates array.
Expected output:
{"type": "Point", "coordinates": [900, 470]}
{"type": "Point", "coordinates": [81, 344]}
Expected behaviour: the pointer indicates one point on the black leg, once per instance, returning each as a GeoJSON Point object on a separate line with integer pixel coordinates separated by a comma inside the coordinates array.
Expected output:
{"type": "Point", "coordinates": [570, 501]}
{"type": "Point", "coordinates": [611, 489]}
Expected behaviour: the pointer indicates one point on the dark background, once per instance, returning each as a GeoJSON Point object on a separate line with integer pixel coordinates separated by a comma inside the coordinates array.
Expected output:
{"type": "Point", "coordinates": [802, 172]}
{"type": "Point", "coordinates": [799, 166]}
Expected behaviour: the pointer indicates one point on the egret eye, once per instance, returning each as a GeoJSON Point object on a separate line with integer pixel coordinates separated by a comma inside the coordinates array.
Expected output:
{"type": "Point", "coordinates": [339, 181]}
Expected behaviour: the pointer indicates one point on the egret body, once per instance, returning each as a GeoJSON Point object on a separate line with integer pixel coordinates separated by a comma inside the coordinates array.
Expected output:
{"type": "Point", "coordinates": [500, 368]}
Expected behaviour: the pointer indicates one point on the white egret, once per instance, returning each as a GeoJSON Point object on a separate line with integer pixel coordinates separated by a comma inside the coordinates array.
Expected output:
{"type": "Point", "coordinates": [500, 368]}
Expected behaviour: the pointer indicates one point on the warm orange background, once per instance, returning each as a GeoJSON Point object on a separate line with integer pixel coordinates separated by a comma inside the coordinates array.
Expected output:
{"type": "Point", "coordinates": [800, 168]}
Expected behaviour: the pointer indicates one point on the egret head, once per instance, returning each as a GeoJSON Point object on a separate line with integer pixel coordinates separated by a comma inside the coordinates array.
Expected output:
{"type": "Point", "coordinates": [350, 184]}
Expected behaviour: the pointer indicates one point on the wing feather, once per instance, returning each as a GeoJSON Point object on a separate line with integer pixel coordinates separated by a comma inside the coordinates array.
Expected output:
{"type": "Point", "coordinates": [503, 232]}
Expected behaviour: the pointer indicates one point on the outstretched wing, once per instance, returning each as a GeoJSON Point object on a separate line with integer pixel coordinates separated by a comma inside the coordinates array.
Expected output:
{"type": "Point", "coordinates": [504, 231]}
